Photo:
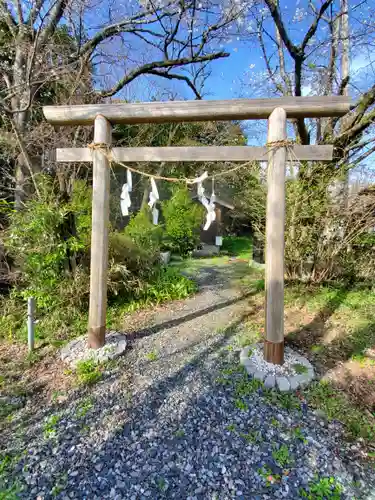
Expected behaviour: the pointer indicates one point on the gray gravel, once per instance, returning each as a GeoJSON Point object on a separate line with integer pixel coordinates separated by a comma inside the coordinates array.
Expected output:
{"type": "Point", "coordinates": [169, 428]}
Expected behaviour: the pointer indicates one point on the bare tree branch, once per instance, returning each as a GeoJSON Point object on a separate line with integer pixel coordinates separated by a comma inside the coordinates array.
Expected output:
{"type": "Point", "coordinates": [176, 76]}
{"type": "Point", "coordinates": [18, 9]}
{"type": "Point", "coordinates": [128, 25]}
{"type": "Point", "coordinates": [34, 12]}
{"type": "Point", "coordinates": [294, 50]}
{"type": "Point", "coordinates": [312, 30]}
{"type": "Point", "coordinates": [55, 16]}
{"type": "Point", "coordinates": [146, 68]}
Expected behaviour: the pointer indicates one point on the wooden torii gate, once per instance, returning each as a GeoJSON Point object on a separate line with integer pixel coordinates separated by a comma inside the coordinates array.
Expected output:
{"type": "Point", "coordinates": [103, 116]}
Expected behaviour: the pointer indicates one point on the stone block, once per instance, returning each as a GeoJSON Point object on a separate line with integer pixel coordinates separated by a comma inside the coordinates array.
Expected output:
{"type": "Point", "coordinates": [270, 382]}
{"type": "Point", "coordinates": [283, 384]}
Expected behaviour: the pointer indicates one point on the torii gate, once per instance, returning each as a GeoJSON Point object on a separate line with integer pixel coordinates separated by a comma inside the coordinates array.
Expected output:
{"type": "Point", "coordinates": [103, 116]}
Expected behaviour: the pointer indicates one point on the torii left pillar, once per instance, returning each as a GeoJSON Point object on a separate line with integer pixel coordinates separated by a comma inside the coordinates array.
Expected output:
{"type": "Point", "coordinates": [99, 235]}
{"type": "Point", "coordinates": [275, 222]}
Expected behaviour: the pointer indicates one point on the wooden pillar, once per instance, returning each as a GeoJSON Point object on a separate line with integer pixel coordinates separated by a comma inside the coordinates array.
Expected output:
{"type": "Point", "coordinates": [99, 236]}
{"type": "Point", "coordinates": [275, 221]}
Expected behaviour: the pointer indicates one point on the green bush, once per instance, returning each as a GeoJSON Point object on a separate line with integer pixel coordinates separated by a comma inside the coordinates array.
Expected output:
{"type": "Point", "coordinates": [143, 232]}
{"type": "Point", "coordinates": [168, 284]}
{"type": "Point", "coordinates": [183, 218]}
{"type": "Point", "coordinates": [239, 246]}
{"type": "Point", "coordinates": [130, 266]}
{"type": "Point", "coordinates": [44, 241]}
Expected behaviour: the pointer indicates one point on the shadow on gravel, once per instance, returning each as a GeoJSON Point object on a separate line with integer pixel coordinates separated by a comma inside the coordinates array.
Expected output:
{"type": "Point", "coordinates": [145, 332]}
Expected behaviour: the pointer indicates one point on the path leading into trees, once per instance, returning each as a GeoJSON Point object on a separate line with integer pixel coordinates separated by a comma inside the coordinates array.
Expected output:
{"type": "Point", "coordinates": [164, 423]}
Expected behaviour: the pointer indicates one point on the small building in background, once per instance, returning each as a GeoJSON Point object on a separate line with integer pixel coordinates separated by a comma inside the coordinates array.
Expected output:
{"type": "Point", "coordinates": [213, 235]}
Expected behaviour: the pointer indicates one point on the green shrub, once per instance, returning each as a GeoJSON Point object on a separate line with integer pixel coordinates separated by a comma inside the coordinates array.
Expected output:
{"type": "Point", "coordinates": [168, 284]}
{"type": "Point", "coordinates": [130, 266]}
{"type": "Point", "coordinates": [44, 241]}
{"type": "Point", "coordinates": [183, 218]}
{"type": "Point", "coordinates": [143, 232]}
{"type": "Point", "coordinates": [239, 246]}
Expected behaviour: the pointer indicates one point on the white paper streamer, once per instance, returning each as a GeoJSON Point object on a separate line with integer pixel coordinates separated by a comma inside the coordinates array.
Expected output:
{"type": "Point", "coordinates": [125, 201]}
{"type": "Point", "coordinates": [129, 180]}
{"type": "Point", "coordinates": [154, 197]}
{"type": "Point", "coordinates": [155, 216]}
{"type": "Point", "coordinates": [209, 205]}
{"type": "Point", "coordinates": [199, 180]}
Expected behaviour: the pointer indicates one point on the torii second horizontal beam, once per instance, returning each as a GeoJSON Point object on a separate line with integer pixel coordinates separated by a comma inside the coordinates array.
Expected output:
{"type": "Point", "coordinates": [196, 154]}
{"type": "Point", "coordinates": [185, 111]}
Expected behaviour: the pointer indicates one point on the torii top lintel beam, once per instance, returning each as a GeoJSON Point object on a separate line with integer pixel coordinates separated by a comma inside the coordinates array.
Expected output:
{"type": "Point", "coordinates": [184, 111]}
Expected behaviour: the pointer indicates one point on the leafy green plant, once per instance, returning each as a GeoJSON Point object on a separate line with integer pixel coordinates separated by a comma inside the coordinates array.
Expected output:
{"type": "Point", "coordinates": [183, 218]}
{"type": "Point", "coordinates": [161, 484]}
{"type": "Point", "coordinates": [246, 386]}
{"type": "Point", "coordinates": [84, 407]}
{"type": "Point", "coordinates": [50, 426]}
{"type": "Point", "coordinates": [298, 434]}
{"type": "Point", "coordinates": [282, 456]}
{"type": "Point", "coordinates": [44, 241]}
{"type": "Point", "coordinates": [326, 488]}
{"type": "Point", "coordinates": [240, 404]}
{"type": "Point", "coordinates": [231, 427]}
{"type": "Point", "coordinates": [299, 368]}
{"type": "Point", "coordinates": [268, 476]}
{"type": "Point", "coordinates": [251, 436]}
{"type": "Point", "coordinates": [152, 356]}
{"type": "Point", "coordinates": [88, 372]}
{"type": "Point", "coordinates": [275, 422]}
{"type": "Point", "coordinates": [11, 492]}
{"type": "Point", "coordinates": [180, 433]}
{"type": "Point", "coordinates": [289, 401]}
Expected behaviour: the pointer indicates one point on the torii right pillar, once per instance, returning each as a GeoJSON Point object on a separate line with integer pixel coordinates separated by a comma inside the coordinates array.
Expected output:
{"type": "Point", "coordinates": [274, 248]}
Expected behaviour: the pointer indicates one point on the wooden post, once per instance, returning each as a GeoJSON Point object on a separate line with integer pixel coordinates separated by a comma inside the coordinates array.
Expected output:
{"type": "Point", "coordinates": [31, 323]}
{"type": "Point", "coordinates": [99, 236]}
{"type": "Point", "coordinates": [275, 221]}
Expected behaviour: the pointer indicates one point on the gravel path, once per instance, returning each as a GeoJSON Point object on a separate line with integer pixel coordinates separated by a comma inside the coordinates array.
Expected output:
{"type": "Point", "coordinates": [166, 423]}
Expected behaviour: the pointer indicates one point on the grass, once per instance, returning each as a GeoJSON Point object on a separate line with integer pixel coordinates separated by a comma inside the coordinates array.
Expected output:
{"type": "Point", "coordinates": [152, 356]}
{"type": "Point", "coordinates": [180, 433]}
{"type": "Point", "coordinates": [326, 488]}
{"type": "Point", "coordinates": [50, 426]}
{"type": "Point", "coordinates": [338, 331]}
{"type": "Point", "coordinates": [298, 434]}
{"type": "Point", "coordinates": [238, 246]}
{"type": "Point", "coordinates": [84, 407]}
{"type": "Point", "coordinates": [88, 372]}
{"type": "Point", "coordinates": [240, 404]}
{"type": "Point", "coordinates": [337, 406]}
{"type": "Point", "coordinates": [300, 369]}
{"type": "Point", "coordinates": [282, 456]}
{"type": "Point", "coordinates": [251, 436]}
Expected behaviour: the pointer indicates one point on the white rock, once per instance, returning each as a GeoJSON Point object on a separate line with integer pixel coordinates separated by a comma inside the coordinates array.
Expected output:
{"type": "Point", "coordinates": [294, 384]}
{"type": "Point", "coordinates": [249, 367]}
{"type": "Point", "coordinates": [283, 384]}
{"type": "Point", "coordinates": [270, 381]}
{"type": "Point", "coordinates": [78, 350]}
{"type": "Point", "coordinates": [258, 375]}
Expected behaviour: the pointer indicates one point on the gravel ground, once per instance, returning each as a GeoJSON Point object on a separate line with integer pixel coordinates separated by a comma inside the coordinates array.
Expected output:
{"type": "Point", "coordinates": [169, 428]}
